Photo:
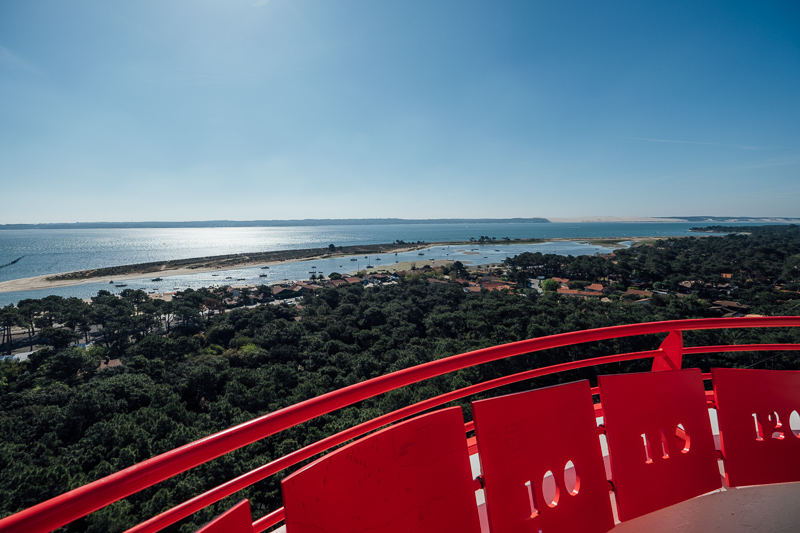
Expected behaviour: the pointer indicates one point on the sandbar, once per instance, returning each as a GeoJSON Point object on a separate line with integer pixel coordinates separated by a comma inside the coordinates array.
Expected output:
{"type": "Point", "coordinates": [196, 266]}
{"type": "Point", "coordinates": [46, 281]}
{"type": "Point", "coordinates": [227, 262]}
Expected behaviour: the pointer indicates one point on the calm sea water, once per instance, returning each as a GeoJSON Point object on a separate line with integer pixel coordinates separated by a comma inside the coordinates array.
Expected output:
{"type": "Point", "coordinates": [55, 251]}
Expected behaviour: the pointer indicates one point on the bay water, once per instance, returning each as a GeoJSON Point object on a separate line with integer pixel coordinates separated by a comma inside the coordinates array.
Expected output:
{"type": "Point", "coordinates": [51, 251]}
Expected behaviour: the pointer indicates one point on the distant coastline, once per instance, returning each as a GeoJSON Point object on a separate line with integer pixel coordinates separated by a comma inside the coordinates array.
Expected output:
{"type": "Point", "coordinates": [383, 222]}
{"type": "Point", "coordinates": [275, 223]}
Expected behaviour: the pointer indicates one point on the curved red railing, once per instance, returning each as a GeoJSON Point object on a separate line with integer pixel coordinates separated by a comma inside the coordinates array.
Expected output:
{"type": "Point", "coordinates": [84, 500]}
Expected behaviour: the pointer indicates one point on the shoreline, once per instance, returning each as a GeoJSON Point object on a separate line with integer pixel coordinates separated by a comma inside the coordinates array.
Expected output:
{"type": "Point", "coordinates": [226, 262]}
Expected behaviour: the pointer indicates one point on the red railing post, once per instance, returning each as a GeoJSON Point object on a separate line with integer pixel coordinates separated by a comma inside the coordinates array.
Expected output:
{"type": "Point", "coordinates": [671, 350]}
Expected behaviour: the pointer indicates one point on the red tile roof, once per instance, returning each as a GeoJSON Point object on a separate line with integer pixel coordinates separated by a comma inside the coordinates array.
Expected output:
{"type": "Point", "coordinates": [637, 292]}
{"type": "Point", "coordinates": [576, 292]}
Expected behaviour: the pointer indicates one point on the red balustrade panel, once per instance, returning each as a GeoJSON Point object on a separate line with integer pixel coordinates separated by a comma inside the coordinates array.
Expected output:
{"type": "Point", "coordinates": [414, 476]}
{"type": "Point", "coordinates": [542, 463]}
{"type": "Point", "coordinates": [659, 439]}
{"type": "Point", "coordinates": [237, 519]}
{"type": "Point", "coordinates": [759, 424]}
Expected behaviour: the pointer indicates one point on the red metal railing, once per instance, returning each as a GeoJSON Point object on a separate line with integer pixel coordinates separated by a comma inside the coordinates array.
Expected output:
{"type": "Point", "coordinates": [82, 501]}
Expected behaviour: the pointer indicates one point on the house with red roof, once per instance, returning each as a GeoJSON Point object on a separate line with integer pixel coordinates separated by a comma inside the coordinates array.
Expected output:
{"type": "Point", "coordinates": [579, 294]}
{"type": "Point", "coordinates": [637, 292]}
{"type": "Point", "coordinates": [496, 286]}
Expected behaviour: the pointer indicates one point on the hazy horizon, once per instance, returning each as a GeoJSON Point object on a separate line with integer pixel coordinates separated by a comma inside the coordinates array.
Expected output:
{"type": "Point", "coordinates": [292, 109]}
{"type": "Point", "coordinates": [398, 221]}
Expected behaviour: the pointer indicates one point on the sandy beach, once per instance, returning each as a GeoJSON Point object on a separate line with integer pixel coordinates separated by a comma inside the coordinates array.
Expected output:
{"type": "Point", "coordinates": [45, 282]}
{"type": "Point", "coordinates": [42, 282]}
{"type": "Point", "coordinates": [212, 264]}
{"type": "Point", "coordinates": [191, 266]}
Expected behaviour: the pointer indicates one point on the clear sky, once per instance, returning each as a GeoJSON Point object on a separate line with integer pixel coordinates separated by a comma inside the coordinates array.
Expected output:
{"type": "Point", "coordinates": [280, 109]}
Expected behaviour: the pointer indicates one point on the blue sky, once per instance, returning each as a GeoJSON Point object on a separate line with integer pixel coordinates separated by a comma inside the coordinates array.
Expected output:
{"type": "Point", "coordinates": [280, 109]}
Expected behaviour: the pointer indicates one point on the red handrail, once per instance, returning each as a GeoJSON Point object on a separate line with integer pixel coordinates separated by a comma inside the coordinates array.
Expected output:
{"type": "Point", "coordinates": [692, 350]}
{"type": "Point", "coordinates": [82, 501]}
{"type": "Point", "coordinates": [214, 495]}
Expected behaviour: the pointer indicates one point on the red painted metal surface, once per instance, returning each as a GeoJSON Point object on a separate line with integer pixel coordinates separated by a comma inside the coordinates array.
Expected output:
{"type": "Point", "coordinates": [237, 519]}
{"type": "Point", "coordinates": [414, 476]}
{"type": "Point", "coordinates": [185, 509]}
{"type": "Point", "coordinates": [672, 353]}
{"type": "Point", "coordinates": [523, 437]}
{"type": "Point", "coordinates": [268, 520]}
{"type": "Point", "coordinates": [754, 409]}
{"type": "Point", "coordinates": [691, 350]}
{"type": "Point", "coordinates": [84, 500]}
{"type": "Point", "coordinates": [659, 439]}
